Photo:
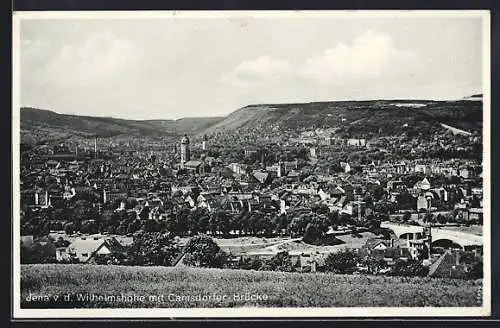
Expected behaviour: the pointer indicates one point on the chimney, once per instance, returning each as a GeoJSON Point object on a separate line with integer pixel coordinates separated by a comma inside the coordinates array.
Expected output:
{"type": "Point", "coordinates": [95, 146]}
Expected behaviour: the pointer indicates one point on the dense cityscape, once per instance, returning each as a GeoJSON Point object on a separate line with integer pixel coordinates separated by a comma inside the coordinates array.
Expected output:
{"type": "Point", "coordinates": [296, 199]}
{"type": "Point", "coordinates": [254, 164]}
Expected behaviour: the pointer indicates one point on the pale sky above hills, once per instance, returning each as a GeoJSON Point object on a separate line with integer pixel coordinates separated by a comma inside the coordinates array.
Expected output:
{"type": "Point", "coordinates": [180, 66]}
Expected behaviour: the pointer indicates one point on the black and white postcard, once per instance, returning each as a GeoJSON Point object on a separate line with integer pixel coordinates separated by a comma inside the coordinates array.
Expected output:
{"type": "Point", "coordinates": [251, 164]}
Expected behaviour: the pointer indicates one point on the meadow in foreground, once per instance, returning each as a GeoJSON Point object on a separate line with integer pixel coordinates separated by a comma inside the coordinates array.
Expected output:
{"type": "Point", "coordinates": [181, 287]}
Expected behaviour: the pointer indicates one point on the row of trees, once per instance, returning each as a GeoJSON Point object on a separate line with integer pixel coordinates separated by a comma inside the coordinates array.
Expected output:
{"type": "Point", "coordinates": [455, 216]}
{"type": "Point", "coordinates": [311, 225]}
{"type": "Point", "coordinates": [350, 262]}
{"type": "Point", "coordinates": [344, 262]}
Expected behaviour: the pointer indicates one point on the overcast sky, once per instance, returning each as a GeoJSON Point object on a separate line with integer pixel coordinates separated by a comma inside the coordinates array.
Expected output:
{"type": "Point", "coordinates": [183, 67]}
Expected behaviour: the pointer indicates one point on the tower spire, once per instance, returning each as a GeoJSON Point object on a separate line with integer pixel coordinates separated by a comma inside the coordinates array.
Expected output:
{"type": "Point", "coordinates": [205, 142]}
{"type": "Point", "coordinates": [185, 151]}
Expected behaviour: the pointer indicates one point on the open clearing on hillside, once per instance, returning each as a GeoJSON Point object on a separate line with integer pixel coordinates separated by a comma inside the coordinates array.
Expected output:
{"type": "Point", "coordinates": [276, 244]}
{"type": "Point", "coordinates": [119, 286]}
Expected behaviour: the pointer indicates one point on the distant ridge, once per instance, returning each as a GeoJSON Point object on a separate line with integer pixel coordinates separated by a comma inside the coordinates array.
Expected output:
{"type": "Point", "coordinates": [389, 117]}
{"type": "Point", "coordinates": [42, 124]}
{"type": "Point", "coordinates": [476, 97]}
{"type": "Point", "coordinates": [376, 115]}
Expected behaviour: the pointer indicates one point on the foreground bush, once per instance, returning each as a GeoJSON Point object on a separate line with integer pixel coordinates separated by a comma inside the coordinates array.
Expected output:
{"type": "Point", "coordinates": [279, 262]}
{"type": "Point", "coordinates": [152, 248]}
{"type": "Point", "coordinates": [341, 262]}
{"type": "Point", "coordinates": [409, 268]}
{"type": "Point", "coordinates": [203, 251]}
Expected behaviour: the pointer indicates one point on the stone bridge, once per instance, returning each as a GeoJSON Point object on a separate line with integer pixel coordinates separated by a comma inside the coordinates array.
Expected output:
{"type": "Point", "coordinates": [463, 239]}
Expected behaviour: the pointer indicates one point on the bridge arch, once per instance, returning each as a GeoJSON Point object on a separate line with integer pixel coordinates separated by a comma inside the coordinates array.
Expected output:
{"type": "Point", "coordinates": [447, 243]}
{"type": "Point", "coordinates": [410, 235]}
{"type": "Point", "coordinates": [403, 231]}
{"type": "Point", "coordinates": [444, 237]}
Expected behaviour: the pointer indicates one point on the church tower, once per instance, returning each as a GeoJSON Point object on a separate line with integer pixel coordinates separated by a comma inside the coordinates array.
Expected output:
{"type": "Point", "coordinates": [185, 151]}
{"type": "Point", "coordinates": [204, 143]}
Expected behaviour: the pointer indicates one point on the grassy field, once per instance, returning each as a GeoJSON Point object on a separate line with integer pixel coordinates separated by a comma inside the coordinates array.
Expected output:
{"type": "Point", "coordinates": [146, 287]}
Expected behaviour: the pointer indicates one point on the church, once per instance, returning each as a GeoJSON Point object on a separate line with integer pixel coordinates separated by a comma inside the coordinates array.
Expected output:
{"type": "Point", "coordinates": [192, 166]}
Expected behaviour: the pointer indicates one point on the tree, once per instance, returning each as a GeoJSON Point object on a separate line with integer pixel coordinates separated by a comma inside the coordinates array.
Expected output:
{"type": "Point", "coordinates": [441, 219]}
{"type": "Point", "coordinates": [315, 230]}
{"type": "Point", "coordinates": [409, 268]}
{"type": "Point", "coordinates": [243, 221]}
{"type": "Point", "coordinates": [345, 219]}
{"type": "Point", "coordinates": [406, 216]}
{"type": "Point", "coordinates": [250, 264]}
{"type": "Point", "coordinates": [374, 265]}
{"type": "Point", "coordinates": [197, 220]}
{"type": "Point", "coordinates": [255, 222]}
{"type": "Point", "coordinates": [69, 228]}
{"type": "Point", "coordinates": [149, 226]}
{"type": "Point", "coordinates": [213, 223]}
{"type": "Point", "coordinates": [282, 222]}
{"type": "Point", "coordinates": [342, 262]}
{"type": "Point", "coordinates": [312, 233]}
{"type": "Point", "coordinates": [268, 225]}
{"type": "Point", "coordinates": [372, 222]}
{"type": "Point", "coordinates": [153, 248]}
{"type": "Point", "coordinates": [223, 224]}
{"type": "Point", "coordinates": [279, 262]}
{"type": "Point", "coordinates": [110, 221]}
{"type": "Point", "coordinates": [406, 201]}
{"type": "Point", "coordinates": [378, 193]}
{"type": "Point", "coordinates": [298, 225]}
{"type": "Point", "coordinates": [183, 221]}
{"type": "Point", "coordinates": [321, 209]}
{"type": "Point", "coordinates": [83, 210]}
{"type": "Point", "coordinates": [333, 218]}
{"type": "Point", "coordinates": [203, 251]}
{"type": "Point", "coordinates": [144, 214]}
{"type": "Point", "coordinates": [89, 227]}
{"type": "Point", "coordinates": [429, 217]}
{"type": "Point", "coordinates": [133, 226]}
{"type": "Point", "coordinates": [204, 223]}
{"type": "Point", "coordinates": [221, 259]}
{"type": "Point", "coordinates": [171, 224]}
{"type": "Point", "coordinates": [39, 254]}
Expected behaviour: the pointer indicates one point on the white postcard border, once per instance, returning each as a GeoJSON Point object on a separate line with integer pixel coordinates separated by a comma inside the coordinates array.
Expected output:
{"type": "Point", "coordinates": [19, 313]}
